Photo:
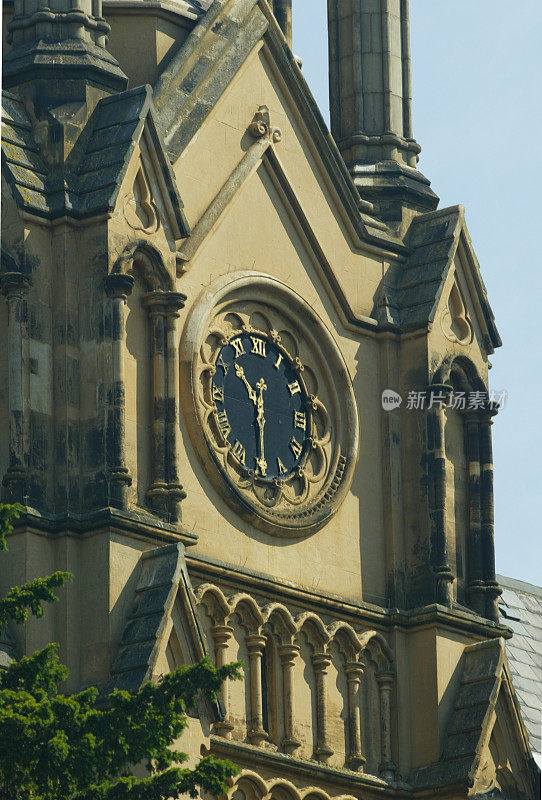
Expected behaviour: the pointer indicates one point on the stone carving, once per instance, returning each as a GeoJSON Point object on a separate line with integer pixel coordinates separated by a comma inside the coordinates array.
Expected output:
{"type": "Point", "coordinates": [455, 321]}
{"type": "Point", "coordinates": [261, 126]}
{"type": "Point", "coordinates": [140, 211]}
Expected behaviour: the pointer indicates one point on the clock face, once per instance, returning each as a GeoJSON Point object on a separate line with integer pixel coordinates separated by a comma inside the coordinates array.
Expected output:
{"type": "Point", "coordinates": [262, 407]}
{"type": "Point", "coordinates": [268, 403]}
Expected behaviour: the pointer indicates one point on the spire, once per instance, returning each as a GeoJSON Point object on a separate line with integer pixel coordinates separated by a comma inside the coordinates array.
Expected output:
{"type": "Point", "coordinates": [57, 42]}
{"type": "Point", "coordinates": [371, 102]}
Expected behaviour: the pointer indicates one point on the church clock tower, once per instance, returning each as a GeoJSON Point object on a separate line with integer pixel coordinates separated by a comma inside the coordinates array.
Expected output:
{"type": "Point", "coordinates": [244, 394]}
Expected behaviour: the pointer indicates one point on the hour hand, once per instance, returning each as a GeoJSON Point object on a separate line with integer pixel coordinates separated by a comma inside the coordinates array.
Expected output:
{"type": "Point", "coordinates": [240, 372]}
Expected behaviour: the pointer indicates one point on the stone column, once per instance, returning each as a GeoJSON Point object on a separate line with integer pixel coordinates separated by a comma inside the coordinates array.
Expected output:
{"type": "Point", "coordinates": [444, 576]}
{"type": "Point", "coordinates": [355, 759]}
{"type": "Point", "coordinates": [282, 10]}
{"type": "Point", "coordinates": [476, 586]}
{"type": "Point", "coordinates": [385, 685]}
{"type": "Point", "coordinates": [157, 494]}
{"type": "Point", "coordinates": [14, 286]}
{"type": "Point", "coordinates": [493, 590]}
{"type": "Point", "coordinates": [175, 490]}
{"type": "Point", "coordinates": [288, 654]}
{"type": "Point", "coordinates": [321, 662]}
{"type": "Point", "coordinates": [221, 637]}
{"type": "Point", "coordinates": [255, 646]}
{"type": "Point", "coordinates": [118, 287]}
{"type": "Point", "coordinates": [165, 492]}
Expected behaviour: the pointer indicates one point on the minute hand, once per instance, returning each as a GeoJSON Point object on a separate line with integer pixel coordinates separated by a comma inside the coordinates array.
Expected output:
{"type": "Point", "coordinates": [240, 372]}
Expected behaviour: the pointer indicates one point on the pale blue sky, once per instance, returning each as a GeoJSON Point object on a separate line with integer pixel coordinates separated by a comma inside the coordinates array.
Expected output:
{"type": "Point", "coordinates": [477, 67]}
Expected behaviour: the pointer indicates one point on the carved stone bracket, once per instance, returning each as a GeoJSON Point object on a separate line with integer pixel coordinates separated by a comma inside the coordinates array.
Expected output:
{"type": "Point", "coordinates": [261, 127]}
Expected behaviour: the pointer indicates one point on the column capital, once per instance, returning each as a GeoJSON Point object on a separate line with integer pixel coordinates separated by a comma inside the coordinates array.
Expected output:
{"type": "Point", "coordinates": [321, 661]}
{"type": "Point", "coordinates": [13, 284]}
{"type": "Point", "coordinates": [255, 643]}
{"type": "Point", "coordinates": [164, 303]}
{"type": "Point", "coordinates": [288, 652]}
{"type": "Point", "coordinates": [354, 670]}
{"type": "Point", "coordinates": [445, 388]}
{"type": "Point", "coordinates": [222, 633]}
{"type": "Point", "coordinates": [119, 285]}
{"type": "Point", "coordinates": [385, 678]}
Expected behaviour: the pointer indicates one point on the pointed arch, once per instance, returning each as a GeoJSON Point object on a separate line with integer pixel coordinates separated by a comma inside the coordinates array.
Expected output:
{"type": "Point", "coordinates": [344, 630]}
{"type": "Point", "coordinates": [149, 259]}
{"type": "Point", "coordinates": [221, 604]}
{"type": "Point", "coordinates": [463, 370]}
{"type": "Point", "coordinates": [309, 620]}
{"type": "Point", "coordinates": [242, 603]}
{"type": "Point", "coordinates": [287, 787]}
{"type": "Point", "coordinates": [278, 610]}
{"type": "Point", "coordinates": [378, 649]}
{"type": "Point", "coordinates": [257, 784]}
{"type": "Point", "coordinates": [8, 262]}
{"type": "Point", "coordinates": [314, 792]}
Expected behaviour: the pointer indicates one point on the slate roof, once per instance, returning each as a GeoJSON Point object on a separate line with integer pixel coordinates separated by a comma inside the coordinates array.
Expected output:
{"type": "Point", "coordinates": [485, 672]}
{"type": "Point", "coordinates": [162, 578]}
{"type": "Point", "coordinates": [22, 164]}
{"type": "Point", "coordinates": [91, 181]}
{"type": "Point", "coordinates": [409, 295]}
{"type": "Point", "coordinates": [521, 610]}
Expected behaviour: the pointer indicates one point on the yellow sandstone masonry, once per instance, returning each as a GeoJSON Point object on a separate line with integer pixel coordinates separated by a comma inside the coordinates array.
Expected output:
{"type": "Point", "coordinates": [205, 296]}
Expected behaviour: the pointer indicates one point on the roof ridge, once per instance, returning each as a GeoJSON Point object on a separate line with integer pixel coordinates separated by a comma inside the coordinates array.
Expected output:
{"type": "Point", "coordinates": [522, 586]}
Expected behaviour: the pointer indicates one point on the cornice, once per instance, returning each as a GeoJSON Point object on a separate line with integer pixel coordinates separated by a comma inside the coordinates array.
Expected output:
{"type": "Point", "coordinates": [430, 616]}
{"type": "Point", "coordinates": [136, 525]}
{"type": "Point", "coordinates": [309, 769]}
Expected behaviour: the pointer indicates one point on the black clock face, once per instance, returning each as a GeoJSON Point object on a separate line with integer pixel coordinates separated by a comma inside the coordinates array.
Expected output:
{"type": "Point", "coordinates": [262, 408]}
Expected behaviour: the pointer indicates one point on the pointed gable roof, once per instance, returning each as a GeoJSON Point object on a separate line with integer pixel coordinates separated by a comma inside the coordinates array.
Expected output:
{"type": "Point", "coordinates": [91, 185]}
{"type": "Point", "coordinates": [486, 676]}
{"type": "Point", "coordinates": [410, 293]}
{"type": "Point", "coordinates": [204, 66]}
{"type": "Point", "coordinates": [163, 578]}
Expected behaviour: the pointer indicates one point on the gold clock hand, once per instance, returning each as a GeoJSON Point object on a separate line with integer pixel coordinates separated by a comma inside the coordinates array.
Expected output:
{"type": "Point", "coordinates": [240, 372]}
{"type": "Point", "coordinates": [261, 462]}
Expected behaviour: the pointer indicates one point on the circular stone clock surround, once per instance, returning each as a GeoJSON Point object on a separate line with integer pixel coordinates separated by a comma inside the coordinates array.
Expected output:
{"type": "Point", "coordinates": [268, 403]}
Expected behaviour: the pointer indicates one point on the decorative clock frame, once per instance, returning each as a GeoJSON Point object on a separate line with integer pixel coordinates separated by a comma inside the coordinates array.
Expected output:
{"type": "Point", "coordinates": [254, 303]}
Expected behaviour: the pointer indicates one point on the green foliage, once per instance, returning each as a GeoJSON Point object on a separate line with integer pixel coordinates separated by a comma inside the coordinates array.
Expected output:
{"type": "Point", "coordinates": [20, 601]}
{"type": "Point", "coordinates": [83, 746]}
{"type": "Point", "coordinates": [8, 515]}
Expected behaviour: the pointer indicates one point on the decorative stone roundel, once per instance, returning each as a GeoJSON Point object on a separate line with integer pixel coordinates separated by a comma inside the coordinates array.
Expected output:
{"type": "Point", "coordinates": [269, 403]}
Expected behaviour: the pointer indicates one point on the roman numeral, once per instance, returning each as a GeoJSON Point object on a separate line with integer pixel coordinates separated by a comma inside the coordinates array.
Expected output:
{"type": "Point", "coordinates": [223, 424]}
{"type": "Point", "coordinates": [239, 452]}
{"type": "Point", "coordinates": [222, 363]}
{"type": "Point", "coordinates": [282, 468]}
{"type": "Point", "coordinates": [296, 447]}
{"type": "Point", "coordinates": [294, 388]}
{"type": "Point", "coordinates": [300, 420]}
{"type": "Point", "coordinates": [278, 361]}
{"type": "Point", "coordinates": [237, 345]}
{"type": "Point", "coordinates": [258, 346]}
{"type": "Point", "coordinates": [218, 393]}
